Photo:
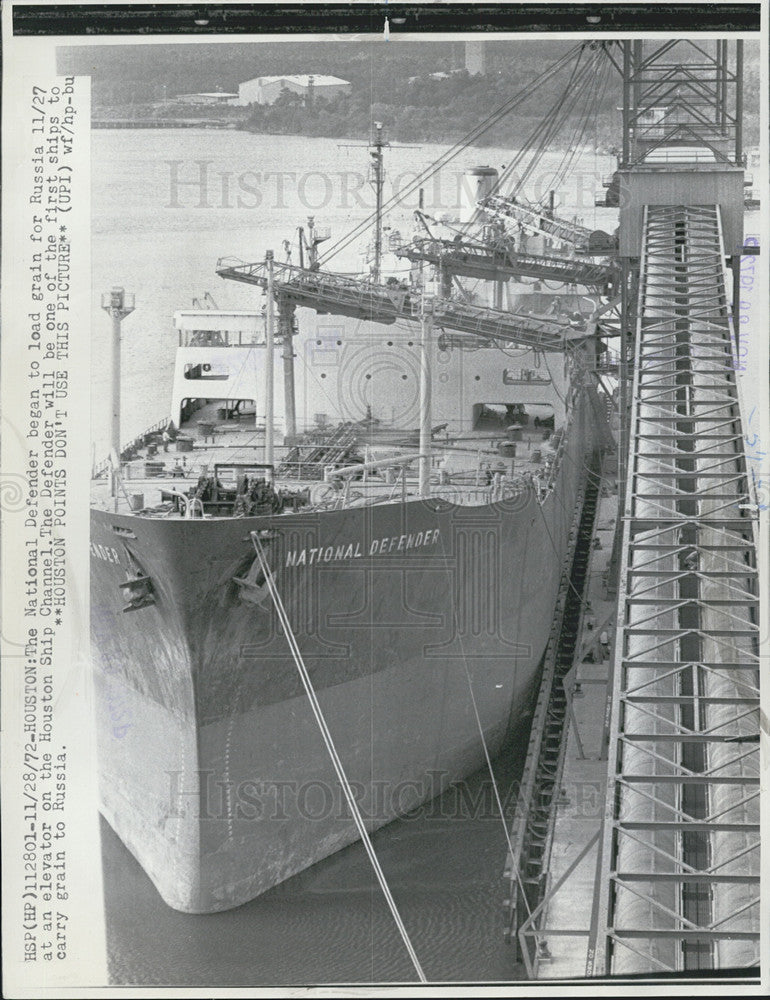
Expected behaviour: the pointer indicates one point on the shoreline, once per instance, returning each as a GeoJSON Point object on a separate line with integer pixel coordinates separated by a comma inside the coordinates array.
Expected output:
{"type": "Point", "coordinates": [230, 126]}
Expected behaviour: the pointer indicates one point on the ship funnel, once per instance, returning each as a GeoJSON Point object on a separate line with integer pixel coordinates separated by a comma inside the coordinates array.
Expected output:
{"type": "Point", "coordinates": [478, 183]}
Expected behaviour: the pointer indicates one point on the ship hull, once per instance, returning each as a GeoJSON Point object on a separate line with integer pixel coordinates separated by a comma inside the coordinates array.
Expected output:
{"type": "Point", "coordinates": [212, 767]}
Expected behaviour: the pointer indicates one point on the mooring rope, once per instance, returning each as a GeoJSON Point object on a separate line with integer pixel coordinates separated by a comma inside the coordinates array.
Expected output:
{"type": "Point", "coordinates": [487, 757]}
{"type": "Point", "coordinates": [496, 790]}
{"type": "Point", "coordinates": [327, 738]}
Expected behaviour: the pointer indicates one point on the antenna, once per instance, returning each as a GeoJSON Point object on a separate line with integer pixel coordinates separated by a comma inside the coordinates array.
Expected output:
{"type": "Point", "coordinates": [375, 152]}
{"type": "Point", "coordinates": [377, 180]}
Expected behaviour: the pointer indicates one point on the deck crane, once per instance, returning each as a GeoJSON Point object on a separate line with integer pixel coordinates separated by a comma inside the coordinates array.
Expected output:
{"type": "Point", "coordinates": [499, 261]}
{"type": "Point", "coordinates": [340, 295]}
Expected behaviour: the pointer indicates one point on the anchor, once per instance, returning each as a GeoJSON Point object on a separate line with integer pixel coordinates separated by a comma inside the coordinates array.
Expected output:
{"type": "Point", "coordinates": [253, 586]}
{"type": "Point", "coordinates": [138, 592]}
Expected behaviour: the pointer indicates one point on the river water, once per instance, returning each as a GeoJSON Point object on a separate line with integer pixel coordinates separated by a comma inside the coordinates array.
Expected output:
{"type": "Point", "coordinates": [330, 923]}
{"type": "Point", "coordinates": [166, 206]}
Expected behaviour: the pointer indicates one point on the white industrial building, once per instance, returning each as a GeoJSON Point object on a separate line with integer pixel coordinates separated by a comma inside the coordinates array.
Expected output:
{"type": "Point", "coordinates": [266, 89]}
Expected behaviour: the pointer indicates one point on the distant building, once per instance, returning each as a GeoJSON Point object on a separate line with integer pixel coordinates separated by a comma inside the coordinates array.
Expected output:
{"type": "Point", "coordinates": [215, 98]}
{"type": "Point", "coordinates": [266, 89]}
{"type": "Point", "coordinates": [475, 58]}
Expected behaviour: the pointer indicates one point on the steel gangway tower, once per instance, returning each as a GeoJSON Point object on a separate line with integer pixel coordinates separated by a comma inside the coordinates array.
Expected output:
{"type": "Point", "coordinates": [679, 854]}
{"type": "Point", "coordinates": [676, 882]}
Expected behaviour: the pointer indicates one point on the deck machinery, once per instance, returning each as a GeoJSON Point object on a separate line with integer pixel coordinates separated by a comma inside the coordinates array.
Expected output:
{"type": "Point", "coordinates": [677, 855]}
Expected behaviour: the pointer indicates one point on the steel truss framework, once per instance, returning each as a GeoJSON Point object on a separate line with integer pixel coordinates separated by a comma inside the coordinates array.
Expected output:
{"type": "Point", "coordinates": [682, 93]}
{"type": "Point", "coordinates": [498, 263]}
{"type": "Point", "coordinates": [680, 847]}
{"type": "Point", "coordinates": [340, 295]}
{"type": "Point", "coordinates": [562, 233]}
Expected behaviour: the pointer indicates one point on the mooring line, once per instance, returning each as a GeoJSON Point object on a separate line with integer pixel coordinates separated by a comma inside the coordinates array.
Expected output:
{"type": "Point", "coordinates": [337, 763]}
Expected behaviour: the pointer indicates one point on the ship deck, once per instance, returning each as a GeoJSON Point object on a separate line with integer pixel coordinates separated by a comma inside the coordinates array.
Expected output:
{"type": "Point", "coordinates": [461, 464]}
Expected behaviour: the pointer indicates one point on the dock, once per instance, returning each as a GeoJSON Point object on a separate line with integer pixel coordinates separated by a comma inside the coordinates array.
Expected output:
{"type": "Point", "coordinates": [161, 123]}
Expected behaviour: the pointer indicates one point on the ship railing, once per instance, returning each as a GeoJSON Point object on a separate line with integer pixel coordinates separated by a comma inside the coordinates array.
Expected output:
{"type": "Point", "coordinates": [554, 461]}
{"type": "Point", "coordinates": [461, 496]}
{"type": "Point", "coordinates": [341, 494]}
{"type": "Point", "coordinates": [342, 476]}
{"type": "Point", "coordinates": [393, 461]}
{"type": "Point", "coordinates": [502, 486]}
{"type": "Point", "coordinates": [302, 470]}
{"type": "Point", "coordinates": [98, 469]}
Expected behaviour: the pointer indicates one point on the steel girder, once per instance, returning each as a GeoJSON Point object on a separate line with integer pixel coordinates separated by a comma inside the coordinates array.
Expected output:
{"type": "Point", "coordinates": [680, 846]}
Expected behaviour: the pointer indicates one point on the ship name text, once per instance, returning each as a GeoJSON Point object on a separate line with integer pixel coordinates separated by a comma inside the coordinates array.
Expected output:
{"type": "Point", "coordinates": [353, 550]}
{"type": "Point", "coordinates": [105, 552]}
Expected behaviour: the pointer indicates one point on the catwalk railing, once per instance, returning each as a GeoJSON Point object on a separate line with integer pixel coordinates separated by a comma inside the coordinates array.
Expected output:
{"type": "Point", "coordinates": [560, 231]}
{"type": "Point", "coordinates": [679, 864]}
{"type": "Point", "coordinates": [341, 295]}
{"type": "Point", "coordinates": [474, 260]}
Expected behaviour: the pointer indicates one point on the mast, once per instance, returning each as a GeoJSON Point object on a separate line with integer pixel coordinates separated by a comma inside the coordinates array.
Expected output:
{"type": "Point", "coordinates": [119, 305]}
{"type": "Point", "coordinates": [286, 330]}
{"type": "Point", "coordinates": [312, 246]}
{"type": "Point", "coordinates": [426, 332]}
{"type": "Point", "coordinates": [269, 344]}
{"type": "Point", "coordinates": [377, 180]}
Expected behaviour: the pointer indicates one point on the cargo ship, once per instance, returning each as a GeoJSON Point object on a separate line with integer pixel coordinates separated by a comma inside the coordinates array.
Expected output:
{"type": "Point", "coordinates": [404, 544]}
